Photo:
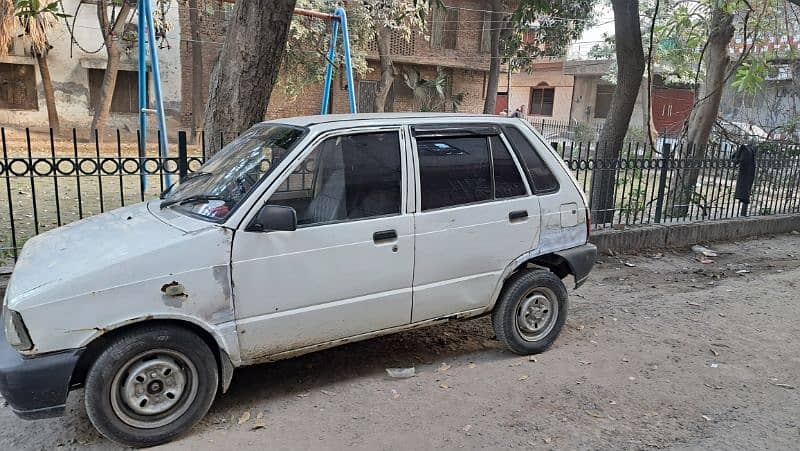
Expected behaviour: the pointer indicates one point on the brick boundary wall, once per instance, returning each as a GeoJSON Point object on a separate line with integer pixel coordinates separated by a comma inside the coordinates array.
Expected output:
{"type": "Point", "coordinates": [684, 235]}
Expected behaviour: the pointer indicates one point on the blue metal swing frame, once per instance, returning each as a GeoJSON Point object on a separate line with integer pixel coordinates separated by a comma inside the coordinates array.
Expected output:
{"type": "Point", "coordinates": [147, 40]}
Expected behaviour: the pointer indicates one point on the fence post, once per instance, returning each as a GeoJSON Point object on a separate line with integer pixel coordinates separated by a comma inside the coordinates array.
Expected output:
{"type": "Point", "coordinates": [666, 156]}
{"type": "Point", "coordinates": [183, 161]}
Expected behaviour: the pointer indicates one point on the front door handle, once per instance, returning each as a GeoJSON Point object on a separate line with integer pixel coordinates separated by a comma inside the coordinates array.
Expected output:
{"type": "Point", "coordinates": [518, 215]}
{"type": "Point", "coordinates": [384, 235]}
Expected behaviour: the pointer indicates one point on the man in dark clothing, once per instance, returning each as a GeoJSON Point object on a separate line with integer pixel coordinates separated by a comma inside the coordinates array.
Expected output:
{"type": "Point", "coordinates": [746, 157]}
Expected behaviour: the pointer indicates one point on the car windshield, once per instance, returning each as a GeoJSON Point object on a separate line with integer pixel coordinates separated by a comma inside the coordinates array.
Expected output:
{"type": "Point", "coordinates": [226, 179]}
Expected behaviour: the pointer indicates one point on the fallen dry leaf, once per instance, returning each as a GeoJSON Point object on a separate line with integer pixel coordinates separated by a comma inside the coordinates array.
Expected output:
{"type": "Point", "coordinates": [258, 425]}
{"type": "Point", "coordinates": [244, 418]}
{"type": "Point", "coordinates": [595, 413]}
{"type": "Point", "coordinates": [444, 386]}
{"type": "Point", "coordinates": [443, 367]}
{"type": "Point", "coordinates": [523, 377]}
{"type": "Point", "coordinates": [472, 365]}
{"type": "Point", "coordinates": [395, 394]}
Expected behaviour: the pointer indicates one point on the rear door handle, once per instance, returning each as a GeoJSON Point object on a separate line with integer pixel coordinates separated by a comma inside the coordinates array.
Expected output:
{"type": "Point", "coordinates": [384, 235]}
{"type": "Point", "coordinates": [518, 215]}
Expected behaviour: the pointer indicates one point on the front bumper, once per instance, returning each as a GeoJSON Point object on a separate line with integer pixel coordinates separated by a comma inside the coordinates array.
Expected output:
{"type": "Point", "coordinates": [37, 386]}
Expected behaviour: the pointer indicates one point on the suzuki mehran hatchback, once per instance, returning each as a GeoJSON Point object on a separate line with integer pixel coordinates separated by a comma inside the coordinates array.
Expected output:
{"type": "Point", "coordinates": [300, 235]}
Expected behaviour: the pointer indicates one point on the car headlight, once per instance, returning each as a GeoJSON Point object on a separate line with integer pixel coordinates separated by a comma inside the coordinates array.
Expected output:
{"type": "Point", "coordinates": [16, 333]}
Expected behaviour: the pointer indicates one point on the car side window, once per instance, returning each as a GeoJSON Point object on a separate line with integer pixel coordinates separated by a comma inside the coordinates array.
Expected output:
{"type": "Point", "coordinates": [507, 179]}
{"type": "Point", "coordinates": [459, 170]}
{"type": "Point", "coordinates": [345, 178]}
{"type": "Point", "coordinates": [540, 176]}
{"type": "Point", "coordinates": [454, 171]}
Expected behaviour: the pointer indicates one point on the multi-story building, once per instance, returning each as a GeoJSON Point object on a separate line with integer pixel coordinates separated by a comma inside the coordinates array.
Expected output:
{"type": "Point", "coordinates": [456, 41]}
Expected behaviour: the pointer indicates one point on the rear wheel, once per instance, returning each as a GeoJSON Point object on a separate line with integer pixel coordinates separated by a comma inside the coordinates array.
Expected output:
{"type": "Point", "coordinates": [151, 385]}
{"type": "Point", "coordinates": [530, 312]}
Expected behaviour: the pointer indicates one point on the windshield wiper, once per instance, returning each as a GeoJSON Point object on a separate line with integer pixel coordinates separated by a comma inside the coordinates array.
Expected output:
{"type": "Point", "coordinates": [188, 177]}
{"type": "Point", "coordinates": [196, 198]}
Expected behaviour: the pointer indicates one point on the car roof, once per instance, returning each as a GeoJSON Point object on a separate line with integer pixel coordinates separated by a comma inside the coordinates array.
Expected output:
{"type": "Point", "coordinates": [307, 121]}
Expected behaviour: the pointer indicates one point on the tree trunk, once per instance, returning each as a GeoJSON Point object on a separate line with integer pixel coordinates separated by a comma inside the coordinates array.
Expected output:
{"type": "Point", "coordinates": [704, 113]}
{"type": "Point", "coordinates": [383, 38]}
{"type": "Point", "coordinates": [113, 53]}
{"type": "Point", "coordinates": [630, 68]}
{"type": "Point", "coordinates": [247, 69]}
{"type": "Point", "coordinates": [49, 92]}
{"type": "Point", "coordinates": [198, 102]}
{"type": "Point", "coordinates": [494, 64]}
{"type": "Point", "coordinates": [103, 105]}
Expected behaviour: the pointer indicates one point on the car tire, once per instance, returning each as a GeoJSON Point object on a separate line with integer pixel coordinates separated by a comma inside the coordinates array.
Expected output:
{"type": "Point", "coordinates": [530, 312]}
{"type": "Point", "coordinates": [151, 385]}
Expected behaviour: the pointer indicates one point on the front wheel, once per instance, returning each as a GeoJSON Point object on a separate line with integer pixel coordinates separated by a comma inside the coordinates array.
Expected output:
{"type": "Point", "coordinates": [530, 312]}
{"type": "Point", "coordinates": [150, 386]}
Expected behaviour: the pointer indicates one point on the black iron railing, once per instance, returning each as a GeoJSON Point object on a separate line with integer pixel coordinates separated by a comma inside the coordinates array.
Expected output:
{"type": "Point", "coordinates": [48, 181]}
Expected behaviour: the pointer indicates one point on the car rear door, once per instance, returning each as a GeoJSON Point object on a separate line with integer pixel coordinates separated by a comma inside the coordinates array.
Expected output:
{"type": "Point", "coordinates": [347, 268]}
{"type": "Point", "coordinates": [475, 215]}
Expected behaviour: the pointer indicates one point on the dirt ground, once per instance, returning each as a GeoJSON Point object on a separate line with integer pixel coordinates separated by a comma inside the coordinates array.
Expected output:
{"type": "Point", "coordinates": [659, 351]}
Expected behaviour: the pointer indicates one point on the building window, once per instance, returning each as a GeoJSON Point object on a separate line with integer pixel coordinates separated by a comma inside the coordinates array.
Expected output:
{"type": "Point", "coordinates": [602, 101]}
{"type": "Point", "coordinates": [18, 87]}
{"type": "Point", "coordinates": [444, 28]}
{"type": "Point", "coordinates": [126, 92]}
{"type": "Point", "coordinates": [542, 98]}
{"type": "Point", "coordinates": [486, 33]}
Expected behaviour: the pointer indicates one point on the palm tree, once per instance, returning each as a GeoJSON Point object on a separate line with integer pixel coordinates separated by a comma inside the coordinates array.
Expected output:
{"type": "Point", "coordinates": [34, 20]}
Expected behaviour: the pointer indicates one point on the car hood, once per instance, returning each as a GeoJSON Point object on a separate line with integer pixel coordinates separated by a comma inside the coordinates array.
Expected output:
{"type": "Point", "coordinates": [98, 252]}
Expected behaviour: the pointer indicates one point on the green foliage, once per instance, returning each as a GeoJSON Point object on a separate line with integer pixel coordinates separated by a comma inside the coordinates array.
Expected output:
{"type": "Point", "coordinates": [750, 75]}
{"type": "Point", "coordinates": [304, 61]}
{"type": "Point", "coordinates": [544, 28]}
{"type": "Point", "coordinates": [432, 95]}
{"type": "Point", "coordinates": [584, 133]}
{"type": "Point", "coordinates": [32, 8]}
{"type": "Point", "coordinates": [635, 135]}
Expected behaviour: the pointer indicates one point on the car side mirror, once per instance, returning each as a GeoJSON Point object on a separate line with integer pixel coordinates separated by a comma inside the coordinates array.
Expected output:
{"type": "Point", "coordinates": [274, 218]}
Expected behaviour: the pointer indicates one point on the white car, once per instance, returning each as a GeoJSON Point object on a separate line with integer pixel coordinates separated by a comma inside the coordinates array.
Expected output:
{"type": "Point", "coordinates": [300, 235]}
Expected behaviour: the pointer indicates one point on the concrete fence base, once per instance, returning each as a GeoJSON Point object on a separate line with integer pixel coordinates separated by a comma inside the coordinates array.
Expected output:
{"type": "Point", "coordinates": [681, 235]}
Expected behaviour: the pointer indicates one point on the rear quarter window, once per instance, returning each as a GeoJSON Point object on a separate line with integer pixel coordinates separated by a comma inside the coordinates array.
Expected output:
{"type": "Point", "coordinates": [541, 178]}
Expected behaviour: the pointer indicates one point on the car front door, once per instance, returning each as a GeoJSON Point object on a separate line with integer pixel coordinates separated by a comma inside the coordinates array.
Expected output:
{"type": "Point", "coordinates": [475, 215]}
{"type": "Point", "coordinates": [348, 267]}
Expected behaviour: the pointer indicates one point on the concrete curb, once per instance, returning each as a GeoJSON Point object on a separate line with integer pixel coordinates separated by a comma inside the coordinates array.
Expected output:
{"type": "Point", "coordinates": [683, 235]}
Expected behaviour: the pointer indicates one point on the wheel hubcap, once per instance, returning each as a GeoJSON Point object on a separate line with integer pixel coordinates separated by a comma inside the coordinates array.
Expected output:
{"type": "Point", "coordinates": [536, 315]}
{"type": "Point", "coordinates": [154, 388]}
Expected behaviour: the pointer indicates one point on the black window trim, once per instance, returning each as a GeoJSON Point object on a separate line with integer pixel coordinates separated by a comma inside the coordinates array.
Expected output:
{"type": "Point", "coordinates": [313, 145]}
{"type": "Point", "coordinates": [524, 164]}
{"type": "Point", "coordinates": [470, 131]}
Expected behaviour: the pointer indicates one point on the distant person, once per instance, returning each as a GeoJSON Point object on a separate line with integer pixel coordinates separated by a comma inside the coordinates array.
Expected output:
{"type": "Point", "coordinates": [746, 157]}
{"type": "Point", "coordinates": [519, 111]}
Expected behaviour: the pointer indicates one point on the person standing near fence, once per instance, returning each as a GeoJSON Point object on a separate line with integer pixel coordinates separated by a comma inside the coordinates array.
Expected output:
{"type": "Point", "coordinates": [746, 157]}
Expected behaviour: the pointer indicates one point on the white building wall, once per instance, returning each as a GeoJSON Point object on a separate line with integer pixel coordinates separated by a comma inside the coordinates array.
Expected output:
{"type": "Point", "coordinates": [69, 70]}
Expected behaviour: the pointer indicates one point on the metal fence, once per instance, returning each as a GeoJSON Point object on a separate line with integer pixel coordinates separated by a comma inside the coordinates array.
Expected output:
{"type": "Point", "coordinates": [646, 180]}
{"type": "Point", "coordinates": [569, 131]}
{"type": "Point", "coordinates": [49, 181]}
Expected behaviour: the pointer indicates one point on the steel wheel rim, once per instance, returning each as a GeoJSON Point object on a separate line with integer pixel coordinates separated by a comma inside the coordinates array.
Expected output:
{"type": "Point", "coordinates": [536, 314]}
{"type": "Point", "coordinates": [154, 388]}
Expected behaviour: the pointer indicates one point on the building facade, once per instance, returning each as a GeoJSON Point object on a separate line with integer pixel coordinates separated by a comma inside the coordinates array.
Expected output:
{"type": "Point", "coordinates": [77, 63]}
{"type": "Point", "coordinates": [455, 41]}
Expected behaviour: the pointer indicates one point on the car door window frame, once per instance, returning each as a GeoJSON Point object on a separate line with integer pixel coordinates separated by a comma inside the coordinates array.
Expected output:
{"type": "Point", "coordinates": [313, 145]}
{"type": "Point", "coordinates": [448, 132]}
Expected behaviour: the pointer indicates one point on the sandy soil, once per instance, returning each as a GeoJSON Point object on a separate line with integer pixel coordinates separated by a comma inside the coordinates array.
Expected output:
{"type": "Point", "coordinates": [664, 352]}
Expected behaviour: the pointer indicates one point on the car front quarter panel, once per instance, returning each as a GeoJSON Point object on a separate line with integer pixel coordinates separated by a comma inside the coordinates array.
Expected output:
{"type": "Point", "coordinates": [188, 280]}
